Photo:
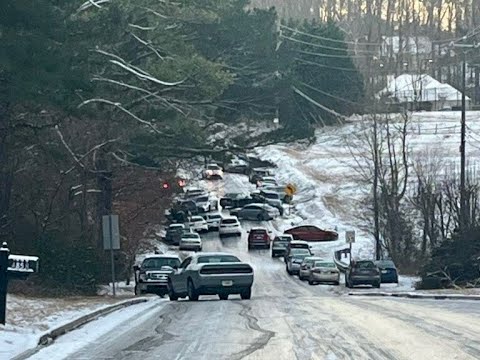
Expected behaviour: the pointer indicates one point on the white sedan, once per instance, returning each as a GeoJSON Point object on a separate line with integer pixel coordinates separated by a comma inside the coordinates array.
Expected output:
{"type": "Point", "coordinates": [213, 171]}
{"type": "Point", "coordinates": [230, 225]}
{"type": "Point", "coordinates": [198, 224]}
{"type": "Point", "coordinates": [190, 241]}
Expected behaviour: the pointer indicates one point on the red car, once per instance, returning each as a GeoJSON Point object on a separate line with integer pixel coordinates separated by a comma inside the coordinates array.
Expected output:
{"type": "Point", "coordinates": [312, 233]}
{"type": "Point", "coordinates": [259, 237]}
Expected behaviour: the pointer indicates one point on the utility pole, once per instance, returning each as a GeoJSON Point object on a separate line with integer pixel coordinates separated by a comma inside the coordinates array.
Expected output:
{"type": "Point", "coordinates": [463, 196]}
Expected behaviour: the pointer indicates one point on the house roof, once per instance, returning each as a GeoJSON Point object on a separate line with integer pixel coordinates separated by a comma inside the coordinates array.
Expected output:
{"type": "Point", "coordinates": [421, 88]}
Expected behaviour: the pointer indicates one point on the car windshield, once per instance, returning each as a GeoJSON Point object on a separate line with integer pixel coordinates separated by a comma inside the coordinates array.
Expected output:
{"type": "Point", "coordinates": [202, 199]}
{"type": "Point", "coordinates": [258, 231]}
{"type": "Point", "coordinates": [217, 259]}
{"type": "Point", "coordinates": [271, 196]}
{"type": "Point", "coordinates": [218, 216]}
{"type": "Point", "coordinates": [280, 243]}
{"type": "Point", "coordinates": [157, 263]}
{"type": "Point", "coordinates": [324, 264]}
{"type": "Point", "coordinates": [229, 221]}
{"type": "Point", "coordinates": [197, 219]}
{"type": "Point", "coordinates": [190, 236]}
{"type": "Point", "coordinates": [213, 167]}
{"type": "Point", "coordinates": [176, 226]}
{"type": "Point", "coordinates": [300, 256]}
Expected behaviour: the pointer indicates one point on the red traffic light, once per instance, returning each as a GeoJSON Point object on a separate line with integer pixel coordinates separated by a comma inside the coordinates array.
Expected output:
{"type": "Point", "coordinates": [182, 183]}
{"type": "Point", "coordinates": [165, 185]}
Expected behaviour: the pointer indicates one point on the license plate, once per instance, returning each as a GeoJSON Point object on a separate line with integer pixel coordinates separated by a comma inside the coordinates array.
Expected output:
{"type": "Point", "coordinates": [384, 271]}
{"type": "Point", "coordinates": [227, 283]}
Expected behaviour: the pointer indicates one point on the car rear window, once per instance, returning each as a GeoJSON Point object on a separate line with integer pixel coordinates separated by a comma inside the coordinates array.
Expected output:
{"type": "Point", "coordinates": [298, 246]}
{"type": "Point", "coordinates": [217, 259]}
{"type": "Point", "coordinates": [197, 219]}
{"type": "Point", "coordinates": [176, 226]}
{"type": "Point", "coordinates": [364, 265]}
{"type": "Point", "coordinates": [271, 196]}
{"type": "Point", "coordinates": [258, 231]}
{"type": "Point", "coordinates": [190, 236]}
{"type": "Point", "coordinates": [295, 252]}
{"type": "Point", "coordinates": [202, 199]}
{"type": "Point", "coordinates": [213, 167]}
{"type": "Point", "coordinates": [157, 263]}
{"type": "Point", "coordinates": [229, 221]}
{"type": "Point", "coordinates": [215, 216]}
{"type": "Point", "coordinates": [324, 264]}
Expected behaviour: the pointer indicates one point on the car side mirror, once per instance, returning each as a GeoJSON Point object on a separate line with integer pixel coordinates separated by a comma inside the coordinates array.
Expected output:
{"type": "Point", "coordinates": [136, 268]}
{"type": "Point", "coordinates": [175, 267]}
{"type": "Point", "coordinates": [248, 231]}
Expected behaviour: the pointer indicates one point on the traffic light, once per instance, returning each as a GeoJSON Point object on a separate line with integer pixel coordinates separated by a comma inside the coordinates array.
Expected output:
{"type": "Point", "coordinates": [165, 185]}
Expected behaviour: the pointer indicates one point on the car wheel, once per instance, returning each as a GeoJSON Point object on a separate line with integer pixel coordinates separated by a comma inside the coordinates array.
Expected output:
{"type": "Point", "coordinates": [300, 277]}
{"type": "Point", "coordinates": [377, 285]}
{"type": "Point", "coordinates": [223, 296]}
{"type": "Point", "coordinates": [311, 282]}
{"type": "Point", "coordinates": [192, 293]}
{"type": "Point", "coordinates": [289, 272]}
{"type": "Point", "coordinates": [171, 293]}
{"type": "Point", "coordinates": [246, 294]}
{"type": "Point", "coordinates": [336, 283]}
{"type": "Point", "coordinates": [260, 217]}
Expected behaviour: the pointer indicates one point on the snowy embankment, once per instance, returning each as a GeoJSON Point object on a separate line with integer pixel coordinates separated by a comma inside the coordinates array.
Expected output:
{"type": "Point", "coordinates": [331, 191]}
{"type": "Point", "coordinates": [29, 318]}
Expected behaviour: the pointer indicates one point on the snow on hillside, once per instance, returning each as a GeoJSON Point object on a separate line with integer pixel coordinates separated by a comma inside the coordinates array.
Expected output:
{"type": "Point", "coordinates": [330, 188]}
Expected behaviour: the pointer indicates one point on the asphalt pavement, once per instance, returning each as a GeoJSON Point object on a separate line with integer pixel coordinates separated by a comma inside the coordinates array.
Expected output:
{"type": "Point", "coordinates": [288, 319]}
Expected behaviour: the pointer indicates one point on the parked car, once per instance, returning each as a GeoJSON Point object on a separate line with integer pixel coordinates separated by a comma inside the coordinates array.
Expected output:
{"type": "Point", "coordinates": [258, 173]}
{"type": "Point", "coordinates": [213, 171]}
{"type": "Point", "coordinates": [280, 245]}
{"type": "Point", "coordinates": [235, 200]}
{"type": "Point", "coordinates": [295, 259]}
{"type": "Point", "coordinates": [193, 192]}
{"type": "Point", "coordinates": [280, 190]}
{"type": "Point", "coordinates": [312, 233]}
{"type": "Point", "coordinates": [152, 275]}
{"type": "Point", "coordinates": [230, 225]}
{"type": "Point", "coordinates": [388, 271]}
{"type": "Point", "coordinates": [198, 223]}
{"type": "Point", "coordinates": [267, 180]}
{"type": "Point", "coordinates": [272, 198]}
{"type": "Point", "coordinates": [259, 237]}
{"type": "Point", "coordinates": [187, 206]}
{"type": "Point", "coordinates": [306, 266]}
{"type": "Point", "coordinates": [174, 233]}
{"type": "Point", "coordinates": [213, 221]}
{"type": "Point", "coordinates": [363, 272]}
{"type": "Point", "coordinates": [190, 241]}
{"type": "Point", "coordinates": [323, 271]}
{"type": "Point", "coordinates": [205, 203]}
{"type": "Point", "coordinates": [296, 244]}
{"type": "Point", "coordinates": [211, 274]}
{"type": "Point", "coordinates": [237, 166]}
{"type": "Point", "coordinates": [259, 212]}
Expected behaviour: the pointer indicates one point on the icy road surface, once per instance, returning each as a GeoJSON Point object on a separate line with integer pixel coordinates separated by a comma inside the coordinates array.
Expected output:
{"type": "Point", "coordinates": [286, 319]}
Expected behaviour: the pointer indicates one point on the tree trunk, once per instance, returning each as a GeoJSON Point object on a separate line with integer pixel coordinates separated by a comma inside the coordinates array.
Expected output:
{"type": "Point", "coordinates": [6, 173]}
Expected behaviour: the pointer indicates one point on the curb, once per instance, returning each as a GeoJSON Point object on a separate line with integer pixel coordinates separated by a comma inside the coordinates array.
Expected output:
{"type": "Point", "coordinates": [418, 296]}
{"type": "Point", "coordinates": [49, 337]}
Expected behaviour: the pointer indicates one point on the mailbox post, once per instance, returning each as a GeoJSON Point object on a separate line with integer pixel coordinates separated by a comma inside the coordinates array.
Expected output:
{"type": "Point", "coordinates": [13, 266]}
{"type": "Point", "coordinates": [4, 253]}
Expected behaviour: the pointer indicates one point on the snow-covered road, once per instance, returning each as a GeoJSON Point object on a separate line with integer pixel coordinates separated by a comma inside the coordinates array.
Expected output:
{"type": "Point", "coordinates": [286, 319]}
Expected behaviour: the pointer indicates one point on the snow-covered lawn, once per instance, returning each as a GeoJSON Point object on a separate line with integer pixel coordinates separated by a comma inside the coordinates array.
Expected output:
{"type": "Point", "coordinates": [330, 190]}
{"type": "Point", "coordinates": [29, 318]}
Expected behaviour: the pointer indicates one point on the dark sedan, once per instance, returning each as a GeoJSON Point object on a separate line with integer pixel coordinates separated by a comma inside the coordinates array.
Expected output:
{"type": "Point", "coordinates": [388, 271]}
{"type": "Point", "coordinates": [312, 233]}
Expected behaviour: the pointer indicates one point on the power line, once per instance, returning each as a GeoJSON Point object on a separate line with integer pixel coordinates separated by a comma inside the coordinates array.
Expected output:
{"type": "Point", "coordinates": [326, 66]}
{"type": "Point", "coordinates": [328, 94]}
{"type": "Point", "coordinates": [473, 32]}
{"type": "Point", "coordinates": [330, 55]}
{"type": "Point", "coordinates": [326, 38]}
{"type": "Point", "coordinates": [323, 107]}
{"type": "Point", "coordinates": [324, 46]}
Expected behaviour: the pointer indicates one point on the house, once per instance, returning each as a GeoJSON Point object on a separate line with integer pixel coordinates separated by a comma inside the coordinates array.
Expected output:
{"type": "Point", "coordinates": [421, 92]}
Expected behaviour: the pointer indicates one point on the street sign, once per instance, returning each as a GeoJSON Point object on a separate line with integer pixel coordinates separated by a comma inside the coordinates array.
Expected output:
{"type": "Point", "coordinates": [350, 236]}
{"type": "Point", "coordinates": [290, 189]}
{"type": "Point", "coordinates": [111, 233]}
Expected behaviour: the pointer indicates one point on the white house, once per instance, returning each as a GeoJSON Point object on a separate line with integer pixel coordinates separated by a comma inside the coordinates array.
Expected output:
{"type": "Point", "coordinates": [421, 92]}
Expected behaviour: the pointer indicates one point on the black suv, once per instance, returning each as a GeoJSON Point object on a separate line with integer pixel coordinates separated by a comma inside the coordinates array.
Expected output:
{"type": "Point", "coordinates": [152, 275]}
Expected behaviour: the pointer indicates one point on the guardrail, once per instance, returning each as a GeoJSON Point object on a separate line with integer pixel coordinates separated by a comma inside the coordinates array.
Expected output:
{"type": "Point", "coordinates": [337, 258]}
